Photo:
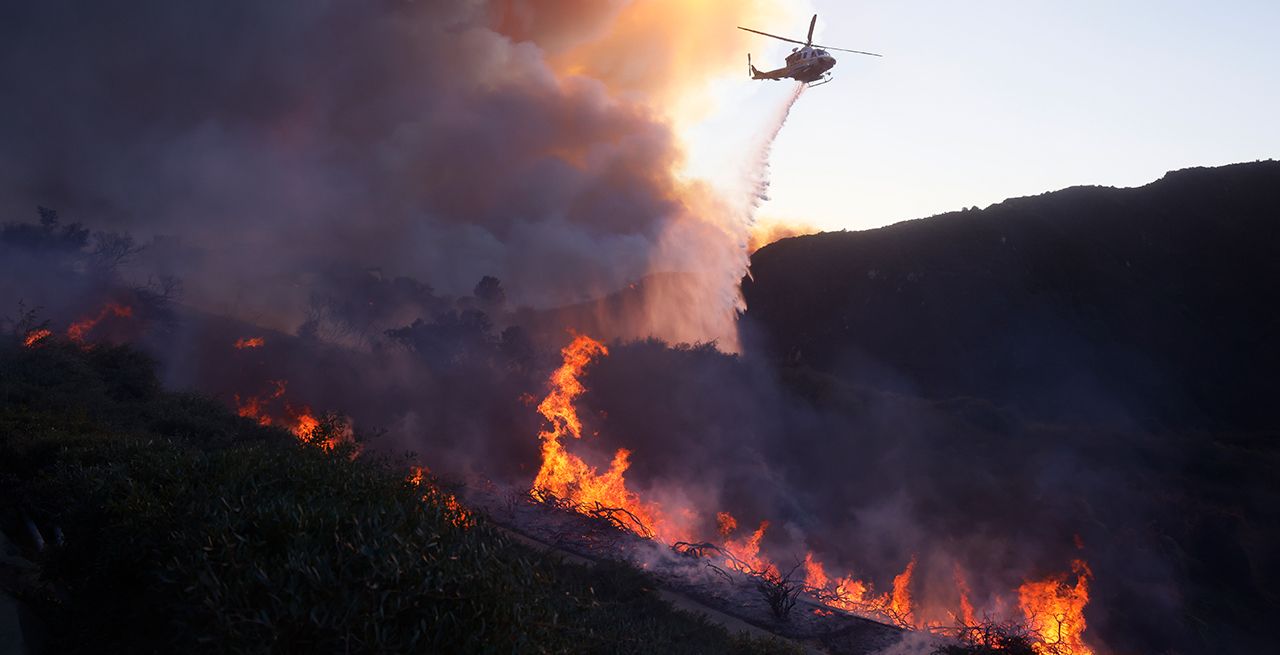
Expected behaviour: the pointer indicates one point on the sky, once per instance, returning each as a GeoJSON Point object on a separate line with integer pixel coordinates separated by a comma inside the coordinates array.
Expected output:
{"type": "Point", "coordinates": [978, 101]}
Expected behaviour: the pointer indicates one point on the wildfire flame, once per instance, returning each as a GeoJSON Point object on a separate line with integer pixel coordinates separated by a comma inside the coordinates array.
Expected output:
{"type": "Point", "coordinates": [253, 407]}
{"type": "Point", "coordinates": [1054, 611]}
{"type": "Point", "coordinates": [853, 595]}
{"type": "Point", "coordinates": [249, 342]}
{"type": "Point", "coordinates": [815, 575]}
{"type": "Point", "coordinates": [80, 329]}
{"type": "Point", "coordinates": [746, 553]}
{"type": "Point", "coordinates": [454, 511]}
{"type": "Point", "coordinates": [35, 337]}
{"type": "Point", "coordinates": [900, 603]}
{"type": "Point", "coordinates": [568, 477]}
{"type": "Point", "coordinates": [967, 615]}
{"type": "Point", "coordinates": [300, 420]}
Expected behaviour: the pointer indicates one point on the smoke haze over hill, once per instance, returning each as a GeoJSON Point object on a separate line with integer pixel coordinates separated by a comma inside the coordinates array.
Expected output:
{"type": "Point", "coordinates": [443, 141]}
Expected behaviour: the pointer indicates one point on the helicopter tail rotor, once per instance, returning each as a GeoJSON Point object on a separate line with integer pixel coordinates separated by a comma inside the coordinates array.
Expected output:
{"type": "Point", "coordinates": [813, 21]}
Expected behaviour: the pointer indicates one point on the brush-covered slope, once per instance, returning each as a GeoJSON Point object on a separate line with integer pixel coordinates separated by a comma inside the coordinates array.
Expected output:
{"type": "Point", "coordinates": [149, 521]}
{"type": "Point", "coordinates": [1158, 304]}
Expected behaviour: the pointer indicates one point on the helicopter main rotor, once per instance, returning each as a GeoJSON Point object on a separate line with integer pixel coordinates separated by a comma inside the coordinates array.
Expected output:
{"type": "Point", "coordinates": [808, 42]}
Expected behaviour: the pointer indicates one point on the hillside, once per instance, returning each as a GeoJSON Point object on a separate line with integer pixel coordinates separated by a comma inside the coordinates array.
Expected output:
{"type": "Point", "coordinates": [1155, 306]}
{"type": "Point", "coordinates": [138, 520]}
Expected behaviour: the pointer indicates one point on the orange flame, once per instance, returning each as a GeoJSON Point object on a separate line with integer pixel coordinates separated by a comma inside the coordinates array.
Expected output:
{"type": "Point", "coordinates": [35, 337]}
{"type": "Point", "coordinates": [301, 420]}
{"type": "Point", "coordinates": [304, 425]}
{"type": "Point", "coordinates": [567, 476]}
{"type": "Point", "coordinates": [854, 595]}
{"type": "Point", "coordinates": [900, 603]}
{"type": "Point", "coordinates": [967, 616]}
{"type": "Point", "coordinates": [1054, 611]}
{"type": "Point", "coordinates": [81, 328]}
{"type": "Point", "coordinates": [454, 511]}
{"type": "Point", "coordinates": [815, 576]}
{"type": "Point", "coordinates": [253, 407]}
{"type": "Point", "coordinates": [249, 342]}
{"type": "Point", "coordinates": [748, 553]}
{"type": "Point", "coordinates": [304, 422]}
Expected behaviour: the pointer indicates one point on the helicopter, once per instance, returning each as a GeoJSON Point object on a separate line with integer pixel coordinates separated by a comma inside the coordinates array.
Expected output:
{"type": "Point", "coordinates": [811, 64]}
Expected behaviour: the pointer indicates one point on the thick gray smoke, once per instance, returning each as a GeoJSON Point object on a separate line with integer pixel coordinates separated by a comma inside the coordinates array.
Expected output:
{"type": "Point", "coordinates": [270, 141]}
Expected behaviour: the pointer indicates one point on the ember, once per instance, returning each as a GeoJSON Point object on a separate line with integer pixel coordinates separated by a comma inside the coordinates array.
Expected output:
{"type": "Point", "coordinates": [36, 337]}
{"type": "Point", "coordinates": [249, 342]}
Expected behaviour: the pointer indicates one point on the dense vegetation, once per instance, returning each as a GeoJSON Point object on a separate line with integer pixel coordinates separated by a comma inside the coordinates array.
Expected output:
{"type": "Point", "coordinates": [171, 525]}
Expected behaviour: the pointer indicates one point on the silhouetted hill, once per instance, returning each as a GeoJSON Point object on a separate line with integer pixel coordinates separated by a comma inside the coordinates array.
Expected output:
{"type": "Point", "coordinates": [1159, 304]}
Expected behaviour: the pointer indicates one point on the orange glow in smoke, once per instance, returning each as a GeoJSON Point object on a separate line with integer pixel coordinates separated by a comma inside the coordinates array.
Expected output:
{"type": "Point", "coordinates": [725, 523]}
{"type": "Point", "coordinates": [765, 232]}
{"type": "Point", "coordinates": [249, 342]}
{"type": "Point", "coordinates": [80, 329]}
{"type": "Point", "coordinates": [665, 51]}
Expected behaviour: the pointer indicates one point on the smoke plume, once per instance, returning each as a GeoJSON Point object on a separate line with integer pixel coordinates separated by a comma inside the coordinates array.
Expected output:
{"type": "Point", "coordinates": [265, 144]}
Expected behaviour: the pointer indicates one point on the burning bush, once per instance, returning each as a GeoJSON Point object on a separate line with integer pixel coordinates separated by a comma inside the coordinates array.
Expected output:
{"type": "Point", "coordinates": [989, 639]}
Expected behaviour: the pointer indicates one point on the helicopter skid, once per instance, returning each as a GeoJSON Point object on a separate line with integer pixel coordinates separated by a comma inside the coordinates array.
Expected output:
{"type": "Point", "coordinates": [823, 80]}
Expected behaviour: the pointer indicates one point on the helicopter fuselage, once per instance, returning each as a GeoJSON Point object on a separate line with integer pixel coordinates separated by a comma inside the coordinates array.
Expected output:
{"type": "Point", "coordinates": [803, 65]}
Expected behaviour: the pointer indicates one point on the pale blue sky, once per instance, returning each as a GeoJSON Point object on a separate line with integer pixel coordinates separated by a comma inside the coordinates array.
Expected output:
{"type": "Point", "coordinates": [977, 101]}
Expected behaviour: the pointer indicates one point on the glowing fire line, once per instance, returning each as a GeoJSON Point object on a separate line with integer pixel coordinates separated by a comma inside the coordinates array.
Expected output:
{"type": "Point", "coordinates": [1053, 609]}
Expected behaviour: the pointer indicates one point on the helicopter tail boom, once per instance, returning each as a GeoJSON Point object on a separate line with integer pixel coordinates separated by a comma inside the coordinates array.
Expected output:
{"type": "Point", "coordinates": [757, 74]}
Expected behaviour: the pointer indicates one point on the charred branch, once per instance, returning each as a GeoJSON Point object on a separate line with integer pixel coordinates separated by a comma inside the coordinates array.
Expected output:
{"type": "Point", "coordinates": [621, 518]}
{"type": "Point", "coordinates": [780, 591]}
